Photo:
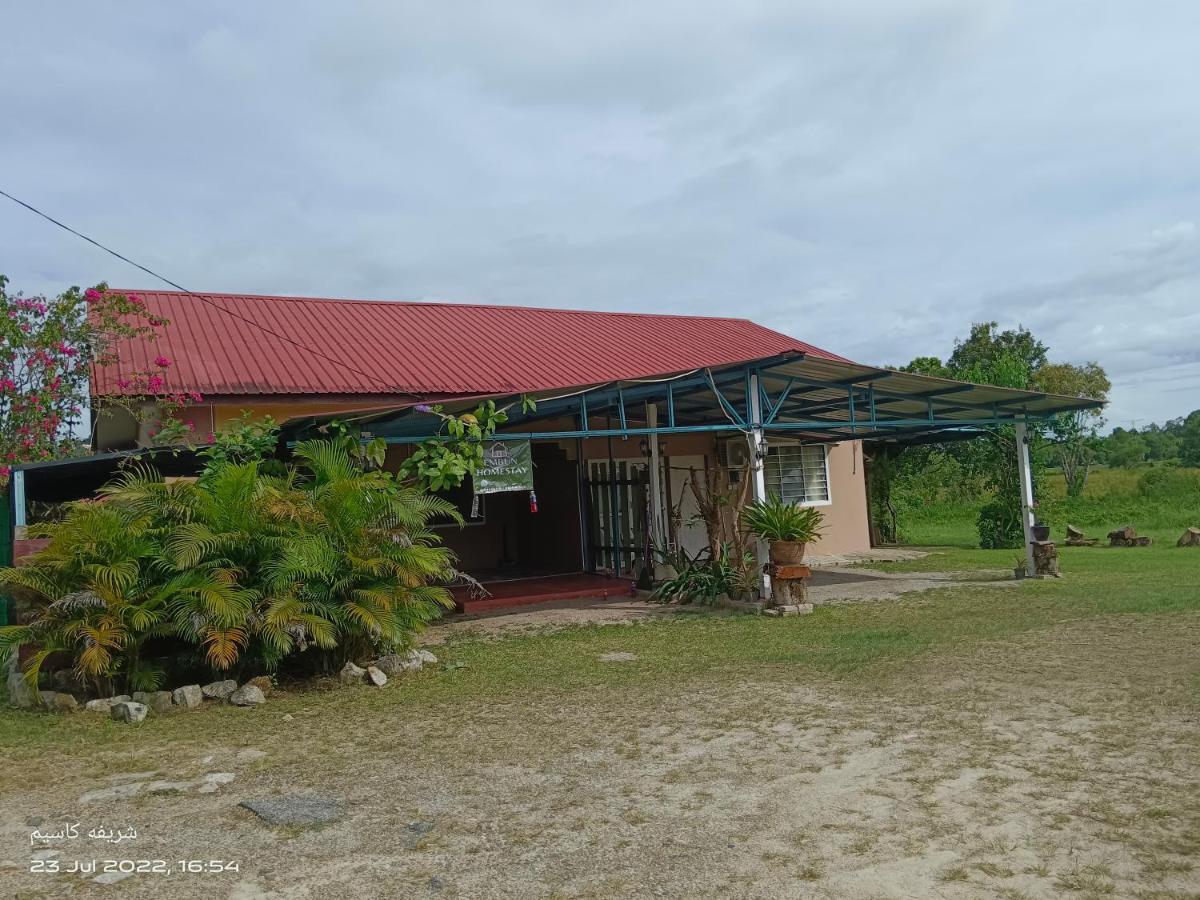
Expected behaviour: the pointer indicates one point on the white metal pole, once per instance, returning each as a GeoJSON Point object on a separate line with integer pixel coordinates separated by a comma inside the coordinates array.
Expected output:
{"type": "Point", "coordinates": [1025, 472]}
{"type": "Point", "coordinates": [758, 472]}
{"type": "Point", "coordinates": [657, 518]}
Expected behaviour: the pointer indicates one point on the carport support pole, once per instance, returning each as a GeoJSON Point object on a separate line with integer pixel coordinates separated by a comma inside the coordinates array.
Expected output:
{"type": "Point", "coordinates": [1025, 474]}
{"type": "Point", "coordinates": [758, 474]}
{"type": "Point", "coordinates": [657, 530]}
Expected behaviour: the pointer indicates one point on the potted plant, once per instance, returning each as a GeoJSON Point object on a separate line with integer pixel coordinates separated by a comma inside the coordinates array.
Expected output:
{"type": "Point", "coordinates": [1041, 531]}
{"type": "Point", "coordinates": [787, 528]}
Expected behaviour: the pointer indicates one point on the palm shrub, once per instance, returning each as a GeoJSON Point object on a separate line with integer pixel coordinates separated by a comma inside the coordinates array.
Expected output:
{"type": "Point", "coordinates": [775, 520]}
{"type": "Point", "coordinates": [235, 566]}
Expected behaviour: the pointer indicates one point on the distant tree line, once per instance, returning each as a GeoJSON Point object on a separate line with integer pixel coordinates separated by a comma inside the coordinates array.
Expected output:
{"type": "Point", "coordinates": [1174, 441]}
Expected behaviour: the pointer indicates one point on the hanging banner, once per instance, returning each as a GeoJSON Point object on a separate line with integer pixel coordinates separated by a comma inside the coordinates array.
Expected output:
{"type": "Point", "coordinates": [507, 466]}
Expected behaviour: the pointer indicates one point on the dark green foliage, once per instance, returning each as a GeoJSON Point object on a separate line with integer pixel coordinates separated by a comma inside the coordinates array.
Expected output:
{"type": "Point", "coordinates": [774, 520]}
{"type": "Point", "coordinates": [704, 580]}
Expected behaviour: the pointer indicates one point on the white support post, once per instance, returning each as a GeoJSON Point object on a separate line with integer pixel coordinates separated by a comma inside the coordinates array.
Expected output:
{"type": "Point", "coordinates": [1025, 473]}
{"type": "Point", "coordinates": [658, 520]}
{"type": "Point", "coordinates": [758, 472]}
{"type": "Point", "coordinates": [18, 500]}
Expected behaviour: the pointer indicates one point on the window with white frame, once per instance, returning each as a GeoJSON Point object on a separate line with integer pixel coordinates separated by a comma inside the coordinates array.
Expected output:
{"type": "Point", "coordinates": [798, 473]}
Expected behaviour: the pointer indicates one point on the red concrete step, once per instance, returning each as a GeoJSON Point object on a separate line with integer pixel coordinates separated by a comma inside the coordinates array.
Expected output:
{"type": "Point", "coordinates": [525, 591]}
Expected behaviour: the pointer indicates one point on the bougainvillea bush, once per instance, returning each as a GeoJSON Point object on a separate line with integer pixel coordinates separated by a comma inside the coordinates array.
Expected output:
{"type": "Point", "coordinates": [47, 346]}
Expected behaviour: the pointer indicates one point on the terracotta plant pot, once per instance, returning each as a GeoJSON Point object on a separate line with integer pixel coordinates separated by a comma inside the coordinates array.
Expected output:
{"type": "Point", "coordinates": [787, 553]}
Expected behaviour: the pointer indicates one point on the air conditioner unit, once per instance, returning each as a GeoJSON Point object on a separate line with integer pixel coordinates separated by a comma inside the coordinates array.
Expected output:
{"type": "Point", "coordinates": [735, 453]}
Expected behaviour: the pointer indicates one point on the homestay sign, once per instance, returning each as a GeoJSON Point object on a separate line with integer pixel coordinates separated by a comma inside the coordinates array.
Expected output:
{"type": "Point", "coordinates": [507, 466]}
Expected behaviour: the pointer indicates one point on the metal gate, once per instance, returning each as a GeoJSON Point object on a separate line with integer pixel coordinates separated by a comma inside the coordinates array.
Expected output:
{"type": "Point", "coordinates": [618, 493]}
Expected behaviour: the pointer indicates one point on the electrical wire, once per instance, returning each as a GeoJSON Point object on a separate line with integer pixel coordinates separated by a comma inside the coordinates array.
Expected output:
{"type": "Point", "coordinates": [388, 389]}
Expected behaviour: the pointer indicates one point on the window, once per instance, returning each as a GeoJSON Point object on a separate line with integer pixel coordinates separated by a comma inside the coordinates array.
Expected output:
{"type": "Point", "coordinates": [798, 473]}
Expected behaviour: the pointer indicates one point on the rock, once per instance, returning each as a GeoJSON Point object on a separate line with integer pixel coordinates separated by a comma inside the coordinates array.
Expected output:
{"type": "Point", "coordinates": [189, 696]}
{"type": "Point", "coordinates": [219, 690]}
{"type": "Point", "coordinates": [288, 717]}
{"type": "Point", "coordinates": [617, 657]}
{"type": "Point", "coordinates": [100, 706]}
{"type": "Point", "coordinates": [426, 657]}
{"type": "Point", "coordinates": [116, 792]}
{"type": "Point", "coordinates": [295, 809]}
{"type": "Point", "coordinates": [20, 694]}
{"type": "Point", "coordinates": [376, 677]}
{"type": "Point", "coordinates": [212, 782]}
{"type": "Point", "coordinates": [158, 701]}
{"type": "Point", "coordinates": [247, 695]}
{"type": "Point", "coordinates": [263, 683]}
{"type": "Point", "coordinates": [46, 698]}
{"type": "Point", "coordinates": [169, 787]}
{"type": "Point", "coordinates": [119, 698]}
{"type": "Point", "coordinates": [65, 702]}
{"type": "Point", "coordinates": [352, 674]}
{"type": "Point", "coordinates": [394, 664]}
{"type": "Point", "coordinates": [250, 755]}
{"type": "Point", "coordinates": [129, 711]}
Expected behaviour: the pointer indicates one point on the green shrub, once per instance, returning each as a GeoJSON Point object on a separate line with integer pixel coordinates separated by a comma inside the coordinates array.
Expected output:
{"type": "Point", "coordinates": [999, 525]}
{"type": "Point", "coordinates": [236, 566]}
{"type": "Point", "coordinates": [774, 520]}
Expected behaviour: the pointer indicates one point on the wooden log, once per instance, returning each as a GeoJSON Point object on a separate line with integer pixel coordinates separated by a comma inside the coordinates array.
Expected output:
{"type": "Point", "coordinates": [1121, 536]}
{"type": "Point", "coordinates": [1190, 538]}
{"type": "Point", "coordinates": [1074, 534]}
{"type": "Point", "coordinates": [787, 573]}
{"type": "Point", "coordinates": [1140, 542]}
{"type": "Point", "coordinates": [1045, 558]}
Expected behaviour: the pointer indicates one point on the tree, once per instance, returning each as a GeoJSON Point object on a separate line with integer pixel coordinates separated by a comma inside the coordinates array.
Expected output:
{"type": "Point", "coordinates": [47, 347]}
{"type": "Point", "coordinates": [1189, 446]}
{"type": "Point", "coordinates": [1124, 449]}
{"type": "Point", "coordinates": [990, 356]}
{"type": "Point", "coordinates": [1073, 433]}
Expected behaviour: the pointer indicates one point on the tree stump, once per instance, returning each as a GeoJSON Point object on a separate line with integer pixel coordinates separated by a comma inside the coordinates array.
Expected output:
{"type": "Point", "coordinates": [1126, 536]}
{"type": "Point", "coordinates": [1075, 538]}
{"type": "Point", "coordinates": [788, 586]}
{"type": "Point", "coordinates": [1191, 538]}
{"type": "Point", "coordinates": [1045, 559]}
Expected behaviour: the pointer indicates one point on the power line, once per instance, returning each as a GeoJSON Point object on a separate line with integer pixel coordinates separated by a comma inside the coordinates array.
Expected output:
{"type": "Point", "coordinates": [201, 297]}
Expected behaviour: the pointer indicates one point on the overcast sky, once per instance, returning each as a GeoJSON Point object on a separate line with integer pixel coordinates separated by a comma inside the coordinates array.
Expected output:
{"type": "Point", "coordinates": [868, 176]}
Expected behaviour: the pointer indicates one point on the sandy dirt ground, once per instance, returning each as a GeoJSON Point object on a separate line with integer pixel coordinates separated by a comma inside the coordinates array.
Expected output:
{"type": "Point", "coordinates": [1048, 766]}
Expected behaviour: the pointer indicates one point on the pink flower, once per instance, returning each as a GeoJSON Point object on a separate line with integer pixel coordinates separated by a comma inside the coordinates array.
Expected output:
{"type": "Point", "coordinates": [161, 361]}
{"type": "Point", "coordinates": [154, 383]}
{"type": "Point", "coordinates": [124, 384]}
{"type": "Point", "coordinates": [195, 396]}
{"type": "Point", "coordinates": [5, 471]}
{"type": "Point", "coordinates": [91, 295]}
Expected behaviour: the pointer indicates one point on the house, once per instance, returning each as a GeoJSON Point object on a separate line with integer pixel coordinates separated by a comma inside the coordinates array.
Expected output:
{"type": "Point", "coordinates": [632, 409]}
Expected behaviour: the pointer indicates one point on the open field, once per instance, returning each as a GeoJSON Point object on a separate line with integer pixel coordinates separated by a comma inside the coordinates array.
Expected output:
{"type": "Point", "coordinates": [990, 741]}
{"type": "Point", "coordinates": [1158, 501]}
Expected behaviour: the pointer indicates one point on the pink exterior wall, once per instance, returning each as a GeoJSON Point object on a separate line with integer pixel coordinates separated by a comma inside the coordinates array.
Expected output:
{"type": "Point", "coordinates": [847, 528]}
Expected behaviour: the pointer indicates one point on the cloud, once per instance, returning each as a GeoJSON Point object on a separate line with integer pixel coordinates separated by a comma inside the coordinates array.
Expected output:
{"type": "Point", "coordinates": [871, 177]}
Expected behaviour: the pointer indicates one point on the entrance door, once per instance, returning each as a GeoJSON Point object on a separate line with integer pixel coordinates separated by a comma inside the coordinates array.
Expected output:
{"type": "Point", "coordinates": [618, 509]}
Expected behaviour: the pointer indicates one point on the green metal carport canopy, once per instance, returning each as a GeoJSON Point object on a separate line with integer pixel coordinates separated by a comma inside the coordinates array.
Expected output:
{"type": "Point", "coordinates": [819, 400]}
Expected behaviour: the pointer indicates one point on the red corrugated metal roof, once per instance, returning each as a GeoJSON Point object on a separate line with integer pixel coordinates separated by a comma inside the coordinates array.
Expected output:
{"type": "Point", "coordinates": [242, 344]}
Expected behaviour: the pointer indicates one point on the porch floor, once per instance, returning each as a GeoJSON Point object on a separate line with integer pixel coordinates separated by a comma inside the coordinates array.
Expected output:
{"type": "Point", "coordinates": [524, 591]}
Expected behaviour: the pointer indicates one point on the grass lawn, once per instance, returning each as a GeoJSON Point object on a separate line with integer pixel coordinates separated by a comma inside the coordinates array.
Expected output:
{"type": "Point", "coordinates": [1042, 741]}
